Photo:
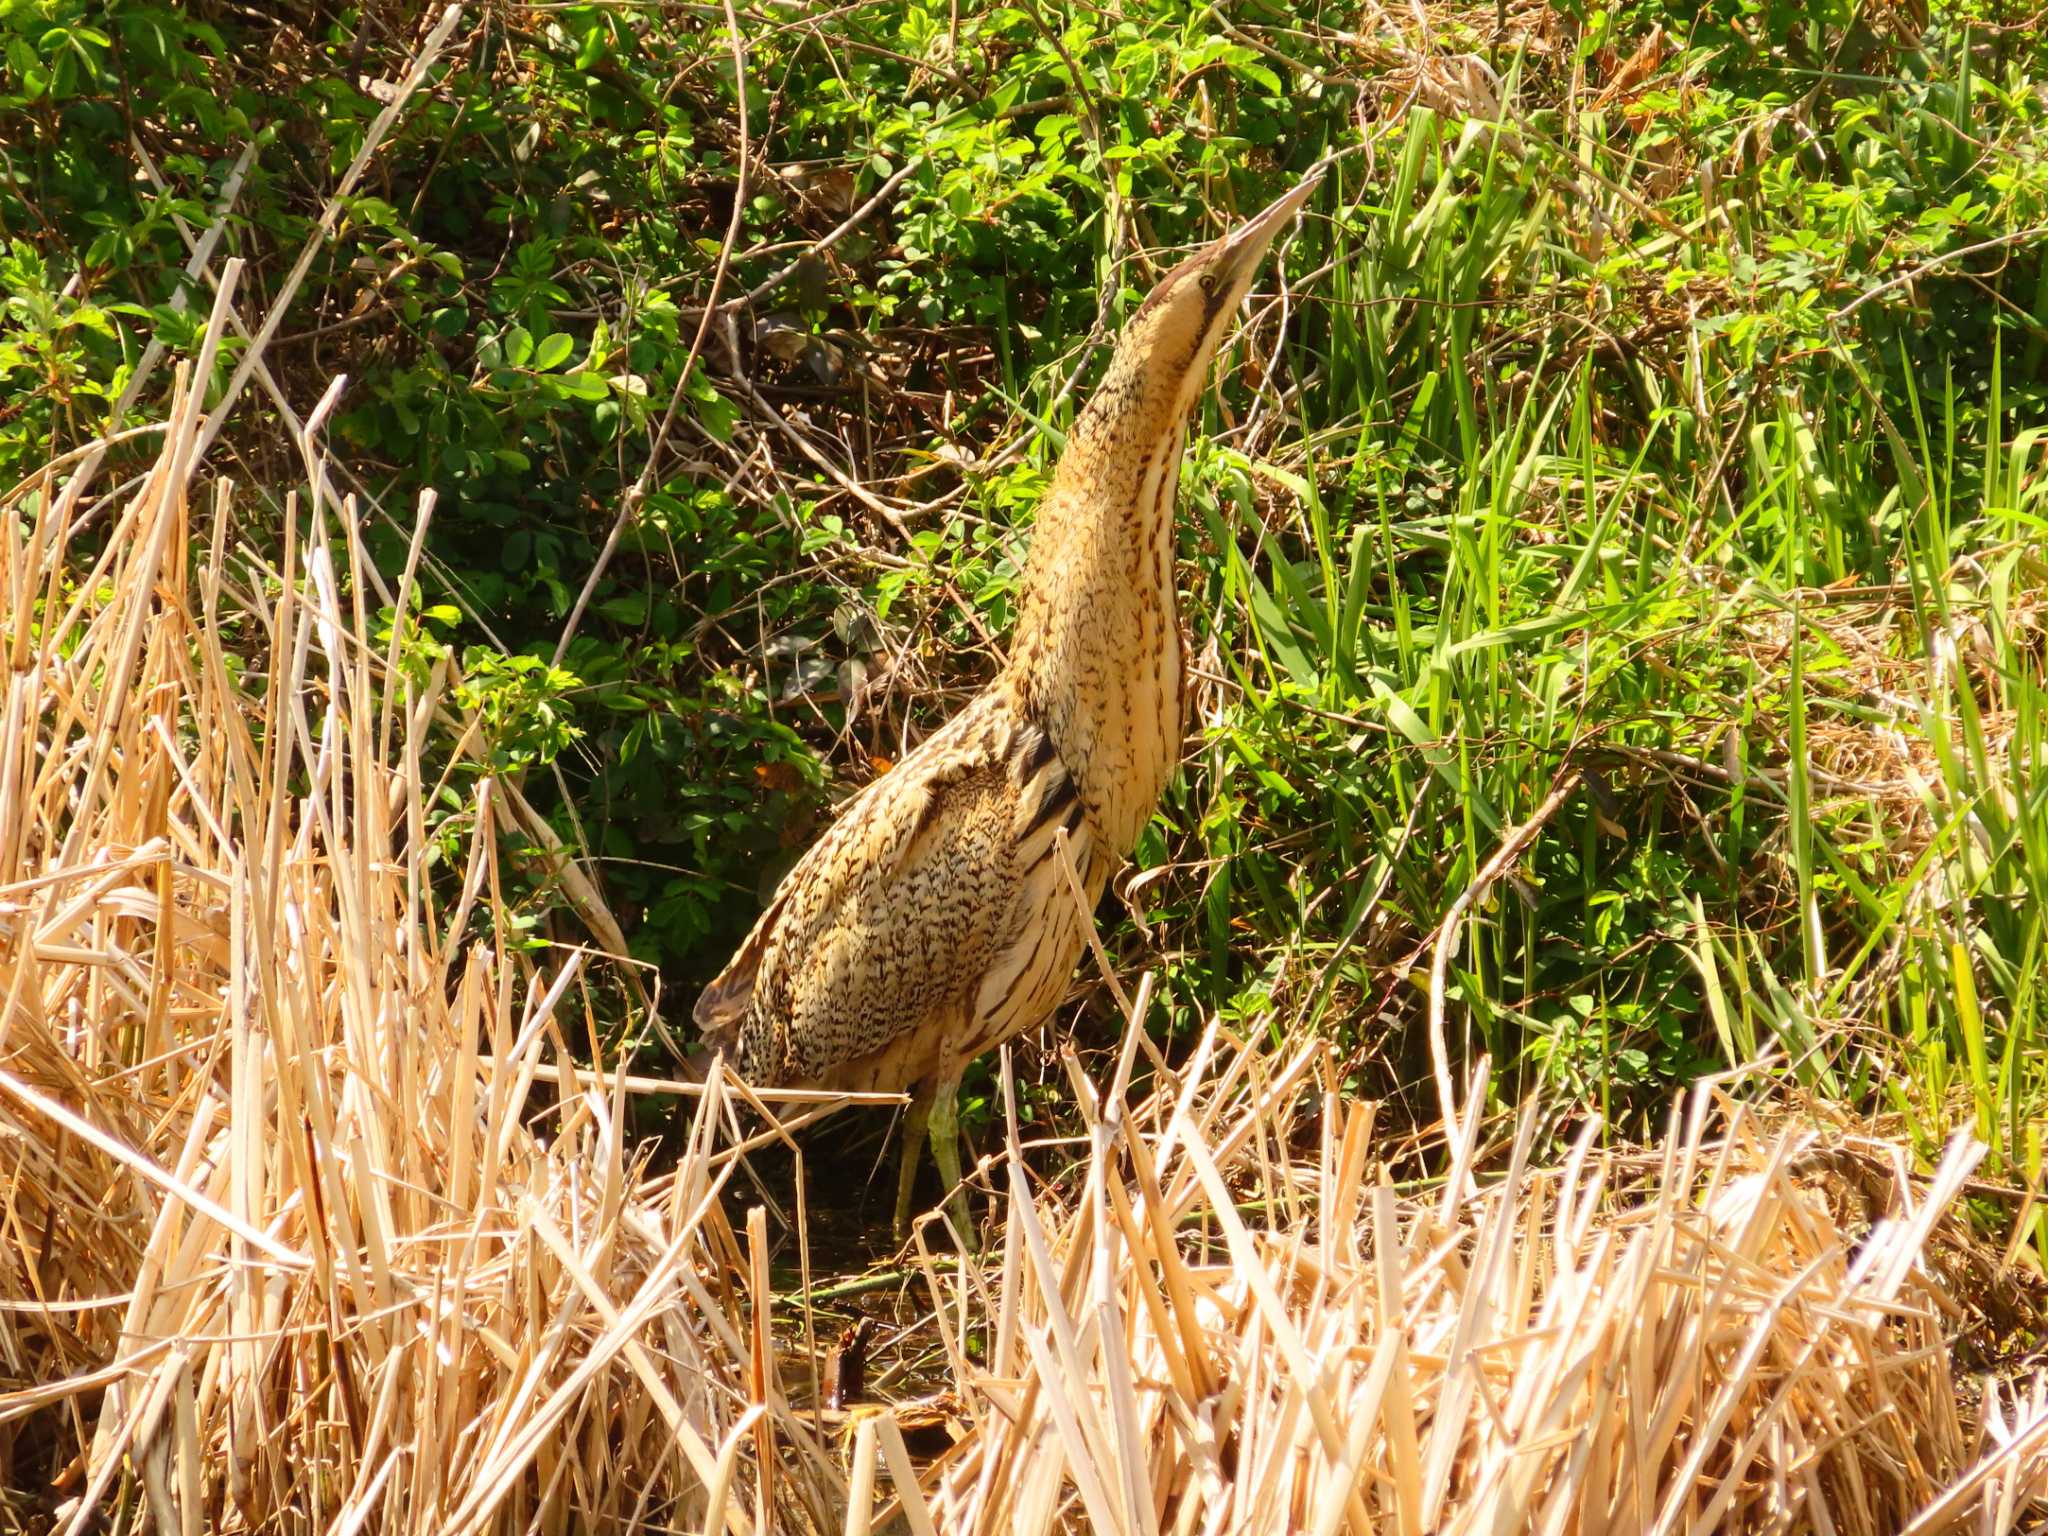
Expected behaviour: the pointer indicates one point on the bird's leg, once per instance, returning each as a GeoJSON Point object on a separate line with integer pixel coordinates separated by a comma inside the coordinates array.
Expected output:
{"type": "Point", "coordinates": [907, 1155]}
{"type": "Point", "coordinates": [945, 1134]}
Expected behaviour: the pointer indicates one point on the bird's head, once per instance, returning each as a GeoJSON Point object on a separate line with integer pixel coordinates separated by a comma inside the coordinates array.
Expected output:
{"type": "Point", "coordinates": [1170, 340]}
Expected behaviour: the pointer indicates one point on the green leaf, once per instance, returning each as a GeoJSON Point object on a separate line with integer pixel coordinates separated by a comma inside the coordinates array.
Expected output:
{"type": "Point", "coordinates": [552, 352]}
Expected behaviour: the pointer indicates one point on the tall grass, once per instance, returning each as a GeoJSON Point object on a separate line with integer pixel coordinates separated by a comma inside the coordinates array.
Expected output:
{"type": "Point", "coordinates": [1225, 1320]}
{"type": "Point", "coordinates": [1789, 638]}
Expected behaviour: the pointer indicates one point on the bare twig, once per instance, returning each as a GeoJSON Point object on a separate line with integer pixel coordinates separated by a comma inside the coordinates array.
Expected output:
{"type": "Point", "coordinates": [629, 504]}
{"type": "Point", "coordinates": [195, 266]}
{"type": "Point", "coordinates": [2016, 237]}
{"type": "Point", "coordinates": [825, 242]}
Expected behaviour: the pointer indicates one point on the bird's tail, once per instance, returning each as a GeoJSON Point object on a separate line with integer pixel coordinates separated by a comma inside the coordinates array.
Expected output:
{"type": "Point", "coordinates": [724, 1035]}
{"type": "Point", "coordinates": [696, 1066]}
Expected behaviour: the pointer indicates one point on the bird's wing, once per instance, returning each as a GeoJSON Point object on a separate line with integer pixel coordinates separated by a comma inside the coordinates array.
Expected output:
{"type": "Point", "coordinates": [816, 884]}
{"type": "Point", "coordinates": [725, 1001]}
{"type": "Point", "coordinates": [891, 919]}
{"type": "Point", "coordinates": [858, 842]}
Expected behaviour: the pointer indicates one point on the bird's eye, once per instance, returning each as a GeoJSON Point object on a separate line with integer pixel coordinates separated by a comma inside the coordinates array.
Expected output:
{"type": "Point", "coordinates": [1206, 281]}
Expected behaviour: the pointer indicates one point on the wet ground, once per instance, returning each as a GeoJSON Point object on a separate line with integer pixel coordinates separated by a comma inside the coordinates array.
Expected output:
{"type": "Point", "coordinates": [858, 1272]}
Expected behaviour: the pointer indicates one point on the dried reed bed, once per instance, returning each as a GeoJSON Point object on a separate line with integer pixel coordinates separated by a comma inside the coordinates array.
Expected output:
{"type": "Point", "coordinates": [1215, 1334]}
{"type": "Point", "coordinates": [288, 1241]}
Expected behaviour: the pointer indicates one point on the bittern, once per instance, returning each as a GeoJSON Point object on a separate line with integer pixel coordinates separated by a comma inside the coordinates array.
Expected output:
{"type": "Point", "coordinates": [934, 919]}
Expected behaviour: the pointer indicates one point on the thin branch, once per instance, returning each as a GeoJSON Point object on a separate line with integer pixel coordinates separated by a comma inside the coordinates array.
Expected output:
{"type": "Point", "coordinates": [629, 504]}
{"type": "Point", "coordinates": [2017, 237]}
{"type": "Point", "coordinates": [317, 241]}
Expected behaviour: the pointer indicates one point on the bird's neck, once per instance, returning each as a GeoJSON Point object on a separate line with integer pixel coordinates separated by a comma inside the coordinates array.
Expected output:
{"type": "Point", "coordinates": [1097, 655]}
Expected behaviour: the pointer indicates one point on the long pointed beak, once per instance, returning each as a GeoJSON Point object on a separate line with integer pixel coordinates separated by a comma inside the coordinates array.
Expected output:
{"type": "Point", "coordinates": [1240, 251]}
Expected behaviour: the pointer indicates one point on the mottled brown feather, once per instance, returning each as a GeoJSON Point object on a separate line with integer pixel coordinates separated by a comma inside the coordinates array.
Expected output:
{"type": "Point", "coordinates": [891, 927]}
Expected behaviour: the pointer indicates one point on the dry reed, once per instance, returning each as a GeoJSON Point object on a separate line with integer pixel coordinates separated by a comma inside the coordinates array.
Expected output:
{"type": "Point", "coordinates": [1214, 1333]}
{"type": "Point", "coordinates": [287, 1241]}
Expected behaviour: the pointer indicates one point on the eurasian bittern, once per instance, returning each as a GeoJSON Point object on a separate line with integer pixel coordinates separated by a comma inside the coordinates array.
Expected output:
{"type": "Point", "coordinates": [934, 921]}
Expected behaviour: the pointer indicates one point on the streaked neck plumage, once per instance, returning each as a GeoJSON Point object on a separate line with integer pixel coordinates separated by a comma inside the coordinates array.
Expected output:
{"type": "Point", "coordinates": [1098, 651]}
{"type": "Point", "coordinates": [1097, 658]}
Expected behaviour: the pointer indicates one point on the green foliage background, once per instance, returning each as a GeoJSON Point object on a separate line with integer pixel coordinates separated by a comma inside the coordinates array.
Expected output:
{"type": "Point", "coordinates": [1675, 426]}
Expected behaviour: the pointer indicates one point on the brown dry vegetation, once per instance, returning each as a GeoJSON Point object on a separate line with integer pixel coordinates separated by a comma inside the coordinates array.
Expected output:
{"type": "Point", "coordinates": [287, 1244]}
